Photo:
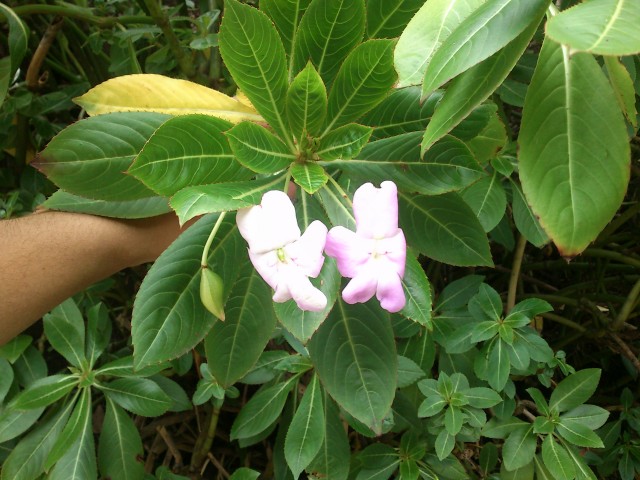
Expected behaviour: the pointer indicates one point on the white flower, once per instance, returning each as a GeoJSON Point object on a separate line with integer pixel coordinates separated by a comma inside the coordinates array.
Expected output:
{"type": "Point", "coordinates": [284, 258]}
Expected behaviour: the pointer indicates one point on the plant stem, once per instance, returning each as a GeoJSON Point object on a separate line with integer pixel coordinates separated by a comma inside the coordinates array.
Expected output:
{"type": "Point", "coordinates": [515, 272]}
{"type": "Point", "coordinates": [204, 443]}
{"type": "Point", "coordinates": [205, 252]}
{"type": "Point", "coordinates": [342, 193]}
{"type": "Point", "coordinates": [563, 321]}
{"type": "Point", "coordinates": [162, 20]}
{"type": "Point", "coordinates": [78, 13]}
{"type": "Point", "coordinates": [608, 254]}
{"type": "Point", "coordinates": [627, 307]}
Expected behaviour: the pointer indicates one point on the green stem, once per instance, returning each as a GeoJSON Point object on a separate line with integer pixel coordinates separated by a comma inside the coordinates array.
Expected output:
{"type": "Point", "coordinates": [342, 193]}
{"type": "Point", "coordinates": [205, 253]}
{"type": "Point", "coordinates": [618, 222]}
{"type": "Point", "coordinates": [515, 272]}
{"type": "Point", "coordinates": [162, 20]}
{"type": "Point", "coordinates": [201, 453]}
{"type": "Point", "coordinates": [80, 14]}
{"type": "Point", "coordinates": [563, 321]}
{"type": "Point", "coordinates": [627, 307]}
{"type": "Point", "coordinates": [608, 254]}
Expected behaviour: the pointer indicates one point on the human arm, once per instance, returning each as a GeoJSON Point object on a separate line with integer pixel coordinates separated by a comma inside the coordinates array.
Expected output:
{"type": "Point", "coordinates": [49, 256]}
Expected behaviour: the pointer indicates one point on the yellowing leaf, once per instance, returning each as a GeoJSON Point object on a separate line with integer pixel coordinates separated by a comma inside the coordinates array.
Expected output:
{"type": "Point", "coordinates": [156, 93]}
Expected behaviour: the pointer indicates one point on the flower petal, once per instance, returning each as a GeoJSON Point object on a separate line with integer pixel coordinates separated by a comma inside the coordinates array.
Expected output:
{"type": "Point", "coordinates": [294, 284]}
{"type": "Point", "coordinates": [350, 250]}
{"type": "Point", "coordinates": [270, 225]}
{"type": "Point", "coordinates": [395, 251]}
{"type": "Point", "coordinates": [376, 210]}
{"type": "Point", "coordinates": [306, 252]}
{"type": "Point", "coordinates": [362, 287]}
{"type": "Point", "coordinates": [389, 291]}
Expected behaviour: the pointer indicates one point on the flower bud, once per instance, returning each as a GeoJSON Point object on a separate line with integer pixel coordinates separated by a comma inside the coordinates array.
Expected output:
{"type": "Point", "coordinates": [211, 289]}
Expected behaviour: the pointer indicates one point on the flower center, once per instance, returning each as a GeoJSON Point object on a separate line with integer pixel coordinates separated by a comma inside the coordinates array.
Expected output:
{"type": "Point", "coordinates": [282, 256]}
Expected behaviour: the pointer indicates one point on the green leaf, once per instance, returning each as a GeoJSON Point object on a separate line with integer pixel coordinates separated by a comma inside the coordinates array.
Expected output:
{"type": "Point", "coordinates": [15, 422]}
{"type": "Point", "coordinates": [540, 401]}
{"type": "Point", "coordinates": [575, 389]}
{"type": "Point", "coordinates": [89, 157]}
{"type": "Point", "coordinates": [193, 201]}
{"type": "Point", "coordinates": [306, 103]}
{"type": "Point", "coordinates": [432, 405]}
{"type": "Point", "coordinates": [401, 112]}
{"type": "Point", "coordinates": [258, 149]}
{"type": "Point", "coordinates": [486, 30]}
{"type": "Point", "coordinates": [527, 309]}
{"type": "Point", "coordinates": [486, 304]}
{"type": "Point", "coordinates": [80, 416]}
{"type": "Point", "coordinates": [408, 372]}
{"type": "Point", "coordinates": [578, 434]}
{"type": "Point", "coordinates": [79, 461]}
{"type": "Point", "coordinates": [453, 418]}
{"type": "Point", "coordinates": [583, 472]}
{"type": "Point", "coordinates": [262, 410]}
{"type": "Point", "coordinates": [344, 142]}
{"type": "Point", "coordinates": [590, 416]}
{"type": "Point", "coordinates": [142, 208]}
{"type": "Point", "coordinates": [15, 347]}
{"type": "Point", "coordinates": [286, 15]}
{"type": "Point", "coordinates": [18, 38]}
{"type": "Point", "coordinates": [388, 18]}
{"type": "Point", "coordinates": [30, 367]}
{"type": "Point", "coordinates": [419, 348]}
{"type": "Point", "coordinates": [481, 397]}
{"type": "Point", "coordinates": [244, 474]}
{"type": "Point", "coordinates": [526, 221]}
{"type": "Point", "coordinates": [523, 473]}
{"type": "Point", "coordinates": [458, 293]}
{"type": "Point", "coordinates": [557, 460]}
{"type": "Point", "coordinates": [481, 331]}
{"type": "Point", "coordinates": [179, 399]}
{"type": "Point", "coordinates": [502, 428]}
{"type": "Point", "coordinates": [234, 346]}
{"type": "Point", "coordinates": [184, 151]}
{"type": "Point", "coordinates": [355, 357]}
{"type": "Point", "coordinates": [378, 461]}
{"type": "Point", "coordinates": [604, 27]}
{"type": "Point", "coordinates": [124, 367]}
{"type": "Point", "coordinates": [448, 166]}
{"type": "Point", "coordinates": [328, 31]}
{"type": "Point", "coordinates": [498, 358]}
{"type": "Point", "coordinates": [64, 328]}
{"type": "Point", "coordinates": [138, 395]}
{"type": "Point", "coordinates": [98, 332]}
{"type": "Point", "coordinates": [444, 228]}
{"type": "Point", "coordinates": [417, 290]}
{"type": "Point", "coordinates": [519, 448]}
{"type": "Point", "coordinates": [253, 53]}
{"type": "Point", "coordinates": [574, 162]}
{"type": "Point", "coordinates": [27, 459]}
{"type": "Point", "coordinates": [337, 207]}
{"type": "Point", "coordinates": [45, 391]}
{"type": "Point", "coordinates": [541, 471]}
{"type": "Point", "coordinates": [310, 176]}
{"type": "Point", "coordinates": [168, 317]}
{"type": "Point", "coordinates": [302, 324]}
{"type": "Point", "coordinates": [623, 89]}
{"type": "Point", "coordinates": [5, 77]}
{"type": "Point", "coordinates": [364, 79]}
{"type": "Point", "coordinates": [444, 444]}
{"type": "Point", "coordinates": [6, 378]}
{"type": "Point", "coordinates": [120, 449]}
{"type": "Point", "coordinates": [487, 199]}
{"type": "Point", "coordinates": [424, 34]}
{"type": "Point", "coordinates": [475, 85]}
{"type": "Point", "coordinates": [306, 431]}
{"type": "Point", "coordinates": [332, 460]}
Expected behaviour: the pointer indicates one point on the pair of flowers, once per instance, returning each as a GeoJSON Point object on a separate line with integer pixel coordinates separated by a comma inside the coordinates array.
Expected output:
{"type": "Point", "coordinates": [373, 256]}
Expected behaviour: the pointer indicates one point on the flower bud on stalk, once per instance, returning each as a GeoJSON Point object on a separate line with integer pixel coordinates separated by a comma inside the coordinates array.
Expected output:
{"type": "Point", "coordinates": [211, 289]}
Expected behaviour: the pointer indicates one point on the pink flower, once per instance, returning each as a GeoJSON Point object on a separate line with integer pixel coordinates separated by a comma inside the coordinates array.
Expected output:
{"type": "Point", "coordinates": [284, 258]}
{"type": "Point", "coordinates": [374, 255]}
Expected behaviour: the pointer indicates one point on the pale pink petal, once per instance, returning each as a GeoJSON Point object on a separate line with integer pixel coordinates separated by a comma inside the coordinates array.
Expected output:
{"type": "Point", "coordinates": [270, 225]}
{"type": "Point", "coordinates": [306, 296]}
{"type": "Point", "coordinates": [266, 264]}
{"type": "Point", "coordinates": [306, 252]}
{"type": "Point", "coordinates": [376, 210]}
{"type": "Point", "coordinates": [395, 250]}
{"type": "Point", "coordinates": [282, 292]}
{"type": "Point", "coordinates": [362, 287]}
{"type": "Point", "coordinates": [350, 250]}
{"type": "Point", "coordinates": [389, 291]}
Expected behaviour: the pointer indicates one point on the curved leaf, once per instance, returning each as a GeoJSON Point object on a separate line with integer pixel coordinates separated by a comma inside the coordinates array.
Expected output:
{"type": "Point", "coordinates": [355, 357]}
{"type": "Point", "coordinates": [185, 151]}
{"type": "Point", "coordinates": [306, 103]}
{"type": "Point", "coordinates": [486, 30]}
{"type": "Point", "coordinates": [120, 446]}
{"type": "Point", "coordinates": [310, 176]}
{"type": "Point", "coordinates": [604, 27]}
{"type": "Point", "coordinates": [64, 328]}
{"type": "Point", "coordinates": [487, 199]}
{"type": "Point", "coordinates": [89, 157]}
{"type": "Point", "coordinates": [364, 79]}
{"type": "Point", "coordinates": [142, 208]}
{"type": "Point", "coordinates": [168, 317]}
{"type": "Point", "coordinates": [327, 32]}
{"type": "Point", "coordinates": [332, 460]}
{"type": "Point", "coordinates": [138, 395]}
{"type": "Point", "coordinates": [444, 228]}
{"type": "Point", "coordinates": [388, 18]}
{"type": "Point", "coordinates": [424, 34]}
{"type": "Point", "coordinates": [157, 93]}
{"type": "Point", "coordinates": [417, 290]}
{"type": "Point", "coordinates": [526, 222]}
{"type": "Point", "coordinates": [234, 346]}
{"type": "Point", "coordinates": [574, 150]}
{"type": "Point", "coordinates": [258, 149]}
{"type": "Point", "coordinates": [253, 53]}
{"type": "Point", "coordinates": [286, 15]}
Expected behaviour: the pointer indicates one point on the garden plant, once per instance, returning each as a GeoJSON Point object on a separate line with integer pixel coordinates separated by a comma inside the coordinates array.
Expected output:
{"type": "Point", "coordinates": [413, 251]}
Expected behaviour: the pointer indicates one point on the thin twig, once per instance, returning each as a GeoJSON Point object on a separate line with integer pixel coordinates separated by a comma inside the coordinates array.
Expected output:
{"type": "Point", "coordinates": [626, 351]}
{"type": "Point", "coordinates": [627, 307]}
{"type": "Point", "coordinates": [170, 445]}
{"type": "Point", "coordinates": [515, 272]}
{"type": "Point", "coordinates": [218, 465]}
